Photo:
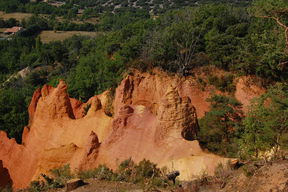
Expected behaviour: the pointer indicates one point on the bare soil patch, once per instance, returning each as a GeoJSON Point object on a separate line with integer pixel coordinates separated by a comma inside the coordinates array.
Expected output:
{"type": "Point", "coordinates": [17, 16]}
{"type": "Point", "coordinates": [106, 186]}
{"type": "Point", "coordinates": [48, 36]}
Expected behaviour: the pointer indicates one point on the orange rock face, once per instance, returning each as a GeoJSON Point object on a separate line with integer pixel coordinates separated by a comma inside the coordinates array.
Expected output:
{"type": "Point", "coordinates": [247, 88]}
{"type": "Point", "coordinates": [154, 118]}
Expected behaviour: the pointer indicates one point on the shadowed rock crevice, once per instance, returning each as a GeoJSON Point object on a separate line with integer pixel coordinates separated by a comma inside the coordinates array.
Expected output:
{"type": "Point", "coordinates": [5, 178]}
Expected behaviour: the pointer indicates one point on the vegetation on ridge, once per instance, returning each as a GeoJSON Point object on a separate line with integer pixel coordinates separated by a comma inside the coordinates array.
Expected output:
{"type": "Point", "coordinates": [145, 174]}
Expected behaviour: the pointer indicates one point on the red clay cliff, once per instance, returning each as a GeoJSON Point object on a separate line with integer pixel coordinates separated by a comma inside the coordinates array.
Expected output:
{"type": "Point", "coordinates": [155, 117]}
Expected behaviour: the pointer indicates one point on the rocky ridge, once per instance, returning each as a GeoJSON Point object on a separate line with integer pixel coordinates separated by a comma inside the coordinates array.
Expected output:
{"type": "Point", "coordinates": [155, 117]}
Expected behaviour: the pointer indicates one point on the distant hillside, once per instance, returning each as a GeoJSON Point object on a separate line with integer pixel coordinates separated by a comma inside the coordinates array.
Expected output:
{"type": "Point", "coordinates": [154, 6]}
{"type": "Point", "coordinates": [88, 8]}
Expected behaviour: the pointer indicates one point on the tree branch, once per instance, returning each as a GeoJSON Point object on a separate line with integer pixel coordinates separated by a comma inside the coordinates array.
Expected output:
{"type": "Point", "coordinates": [277, 19]}
{"type": "Point", "coordinates": [282, 65]}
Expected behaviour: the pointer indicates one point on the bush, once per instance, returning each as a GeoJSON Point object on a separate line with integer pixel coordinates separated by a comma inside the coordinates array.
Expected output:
{"type": "Point", "coordinates": [219, 128]}
{"type": "Point", "coordinates": [102, 172]}
{"type": "Point", "coordinates": [36, 186]}
{"type": "Point", "coordinates": [125, 170]}
{"type": "Point", "coordinates": [145, 173]}
{"type": "Point", "coordinates": [222, 173]}
{"type": "Point", "coordinates": [146, 169]}
{"type": "Point", "coordinates": [62, 174]}
{"type": "Point", "coordinates": [223, 83]}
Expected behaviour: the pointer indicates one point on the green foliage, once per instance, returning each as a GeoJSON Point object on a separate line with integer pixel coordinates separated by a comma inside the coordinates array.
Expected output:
{"type": "Point", "coordinates": [8, 23]}
{"type": "Point", "coordinates": [220, 126]}
{"type": "Point", "coordinates": [118, 21]}
{"type": "Point", "coordinates": [13, 110]}
{"type": "Point", "coordinates": [223, 83]}
{"type": "Point", "coordinates": [266, 124]}
{"type": "Point", "coordinates": [94, 74]}
{"type": "Point", "coordinates": [263, 51]}
{"type": "Point", "coordinates": [36, 186]}
{"type": "Point", "coordinates": [62, 175]}
{"type": "Point", "coordinates": [11, 51]}
{"type": "Point", "coordinates": [181, 36]}
{"type": "Point", "coordinates": [51, 23]}
{"type": "Point", "coordinates": [145, 173]}
{"type": "Point", "coordinates": [101, 172]}
{"type": "Point", "coordinates": [12, 5]}
{"type": "Point", "coordinates": [270, 8]}
{"type": "Point", "coordinates": [146, 170]}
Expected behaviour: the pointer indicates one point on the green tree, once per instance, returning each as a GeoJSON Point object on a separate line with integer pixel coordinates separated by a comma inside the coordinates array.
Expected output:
{"type": "Point", "coordinates": [264, 50]}
{"type": "Point", "coordinates": [266, 124]}
{"type": "Point", "coordinates": [275, 10]}
{"type": "Point", "coordinates": [94, 74]}
{"type": "Point", "coordinates": [182, 37]}
{"type": "Point", "coordinates": [13, 110]}
{"type": "Point", "coordinates": [220, 126]}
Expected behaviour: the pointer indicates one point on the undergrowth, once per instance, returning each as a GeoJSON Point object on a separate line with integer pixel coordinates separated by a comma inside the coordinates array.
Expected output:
{"type": "Point", "coordinates": [57, 179]}
{"type": "Point", "coordinates": [145, 174]}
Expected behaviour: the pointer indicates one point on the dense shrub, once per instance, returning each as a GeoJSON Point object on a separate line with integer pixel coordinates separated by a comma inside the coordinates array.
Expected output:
{"type": "Point", "coordinates": [62, 174]}
{"type": "Point", "coordinates": [223, 83]}
{"type": "Point", "coordinates": [266, 125]}
{"type": "Point", "coordinates": [145, 173]}
{"type": "Point", "coordinates": [221, 126]}
{"type": "Point", "coordinates": [58, 180]}
{"type": "Point", "coordinates": [101, 172]}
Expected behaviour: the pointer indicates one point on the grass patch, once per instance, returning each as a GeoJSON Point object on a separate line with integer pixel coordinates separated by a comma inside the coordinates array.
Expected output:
{"type": "Point", "coordinates": [48, 36]}
{"type": "Point", "coordinates": [18, 16]}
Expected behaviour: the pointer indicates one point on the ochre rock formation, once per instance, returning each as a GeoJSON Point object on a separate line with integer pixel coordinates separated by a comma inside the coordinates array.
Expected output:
{"type": "Point", "coordinates": [154, 118]}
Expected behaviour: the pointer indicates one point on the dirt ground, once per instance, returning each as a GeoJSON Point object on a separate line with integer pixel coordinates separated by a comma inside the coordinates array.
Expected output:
{"type": "Point", "coordinates": [17, 16]}
{"type": "Point", "coordinates": [107, 186]}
